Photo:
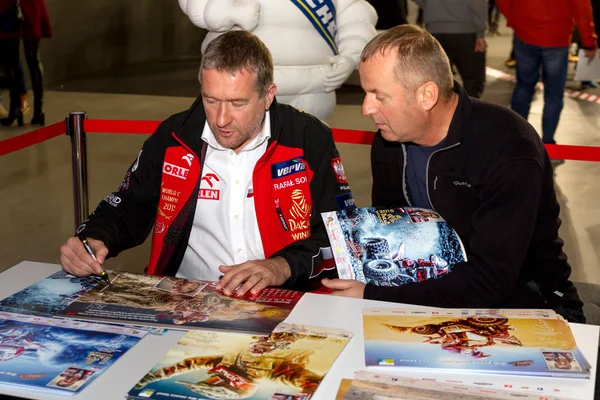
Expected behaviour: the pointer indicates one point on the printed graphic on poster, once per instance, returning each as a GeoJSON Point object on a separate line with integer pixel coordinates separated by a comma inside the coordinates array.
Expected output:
{"type": "Point", "coordinates": [376, 386]}
{"type": "Point", "coordinates": [180, 303]}
{"type": "Point", "coordinates": [50, 295]}
{"type": "Point", "coordinates": [392, 246]}
{"type": "Point", "coordinates": [287, 364]}
{"type": "Point", "coordinates": [472, 343]}
{"type": "Point", "coordinates": [57, 356]}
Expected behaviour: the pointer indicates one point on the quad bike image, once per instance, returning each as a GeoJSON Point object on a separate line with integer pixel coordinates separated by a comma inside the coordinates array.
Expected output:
{"type": "Point", "coordinates": [465, 336]}
{"type": "Point", "coordinates": [380, 266]}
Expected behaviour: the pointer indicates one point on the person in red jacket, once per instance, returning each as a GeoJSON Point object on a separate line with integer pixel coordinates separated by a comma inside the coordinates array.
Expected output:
{"type": "Point", "coordinates": [233, 188]}
{"type": "Point", "coordinates": [36, 26]}
{"type": "Point", "coordinates": [542, 39]}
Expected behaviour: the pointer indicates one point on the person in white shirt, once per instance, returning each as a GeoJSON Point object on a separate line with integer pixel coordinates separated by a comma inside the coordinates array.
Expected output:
{"type": "Point", "coordinates": [233, 187]}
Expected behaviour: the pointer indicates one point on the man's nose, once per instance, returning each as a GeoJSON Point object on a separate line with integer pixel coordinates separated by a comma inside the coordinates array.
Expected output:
{"type": "Point", "coordinates": [223, 114]}
{"type": "Point", "coordinates": [368, 106]}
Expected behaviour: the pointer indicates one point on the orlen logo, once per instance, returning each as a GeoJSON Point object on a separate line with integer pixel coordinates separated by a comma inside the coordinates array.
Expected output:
{"type": "Point", "coordinates": [286, 168]}
{"type": "Point", "coordinates": [174, 170]}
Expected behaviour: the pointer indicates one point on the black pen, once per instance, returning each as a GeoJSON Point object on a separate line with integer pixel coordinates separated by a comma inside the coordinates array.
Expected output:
{"type": "Point", "coordinates": [88, 248]}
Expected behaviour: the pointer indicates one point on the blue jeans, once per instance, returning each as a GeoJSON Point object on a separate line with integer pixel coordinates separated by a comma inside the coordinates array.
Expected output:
{"type": "Point", "coordinates": [553, 62]}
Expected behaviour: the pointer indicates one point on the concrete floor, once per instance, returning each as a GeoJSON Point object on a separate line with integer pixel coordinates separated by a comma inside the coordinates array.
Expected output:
{"type": "Point", "coordinates": [36, 199]}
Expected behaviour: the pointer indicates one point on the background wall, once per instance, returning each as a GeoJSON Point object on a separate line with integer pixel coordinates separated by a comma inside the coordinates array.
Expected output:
{"type": "Point", "coordinates": [92, 36]}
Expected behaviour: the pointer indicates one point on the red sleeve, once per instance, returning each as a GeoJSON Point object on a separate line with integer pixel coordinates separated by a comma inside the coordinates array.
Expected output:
{"type": "Point", "coordinates": [581, 10]}
{"type": "Point", "coordinates": [505, 7]}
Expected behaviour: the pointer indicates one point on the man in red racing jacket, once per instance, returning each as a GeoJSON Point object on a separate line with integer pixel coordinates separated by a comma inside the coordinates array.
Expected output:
{"type": "Point", "coordinates": [234, 187]}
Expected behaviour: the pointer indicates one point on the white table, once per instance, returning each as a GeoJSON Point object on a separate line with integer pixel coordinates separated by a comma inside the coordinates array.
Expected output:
{"type": "Point", "coordinates": [319, 310]}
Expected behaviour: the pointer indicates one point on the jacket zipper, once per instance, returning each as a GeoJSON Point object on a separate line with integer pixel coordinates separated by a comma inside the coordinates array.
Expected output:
{"type": "Point", "coordinates": [404, 188]}
{"type": "Point", "coordinates": [427, 173]}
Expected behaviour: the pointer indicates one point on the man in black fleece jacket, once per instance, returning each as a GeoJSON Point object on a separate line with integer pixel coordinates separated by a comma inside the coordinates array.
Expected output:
{"type": "Point", "coordinates": [480, 166]}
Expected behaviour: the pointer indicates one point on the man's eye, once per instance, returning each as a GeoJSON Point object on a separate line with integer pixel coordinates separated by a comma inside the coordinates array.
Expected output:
{"type": "Point", "coordinates": [210, 101]}
{"type": "Point", "coordinates": [238, 104]}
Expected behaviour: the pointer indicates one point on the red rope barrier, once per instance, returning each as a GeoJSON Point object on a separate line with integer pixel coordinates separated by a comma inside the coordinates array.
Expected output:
{"type": "Point", "coordinates": [115, 126]}
{"type": "Point", "coordinates": [348, 136]}
{"type": "Point", "coordinates": [569, 152]}
{"type": "Point", "coordinates": [31, 138]}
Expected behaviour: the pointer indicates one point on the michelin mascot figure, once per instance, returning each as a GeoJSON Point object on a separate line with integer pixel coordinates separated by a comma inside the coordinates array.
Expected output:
{"type": "Point", "coordinates": [316, 44]}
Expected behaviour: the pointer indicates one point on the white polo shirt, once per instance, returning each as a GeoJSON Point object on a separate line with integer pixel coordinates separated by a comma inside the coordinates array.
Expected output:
{"type": "Point", "coordinates": [225, 229]}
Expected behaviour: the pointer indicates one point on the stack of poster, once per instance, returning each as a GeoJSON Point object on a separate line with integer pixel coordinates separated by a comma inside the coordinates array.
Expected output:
{"type": "Point", "coordinates": [49, 296]}
{"type": "Point", "coordinates": [513, 342]}
{"type": "Point", "coordinates": [287, 364]}
{"type": "Point", "coordinates": [48, 355]}
{"type": "Point", "coordinates": [372, 386]}
{"type": "Point", "coordinates": [392, 246]}
{"type": "Point", "coordinates": [181, 304]}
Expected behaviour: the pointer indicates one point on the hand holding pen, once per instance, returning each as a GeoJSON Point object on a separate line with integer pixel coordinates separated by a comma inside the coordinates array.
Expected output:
{"type": "Point", "coordinates": [78, 261]}
{"type": "Point", "coordinates": [88, 248]}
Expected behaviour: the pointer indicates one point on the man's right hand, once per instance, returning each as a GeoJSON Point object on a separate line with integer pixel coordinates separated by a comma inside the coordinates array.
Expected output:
{"type": "Point", "coordinates": [76, 261]}
{"type": "Point", "coordinates": [589, 54]}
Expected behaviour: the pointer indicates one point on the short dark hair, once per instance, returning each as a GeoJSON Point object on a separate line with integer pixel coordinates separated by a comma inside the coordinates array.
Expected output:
{"type": "Point", "coordinates": [420, 58]}
{"type": "Point", "coordinates": [235, 51]}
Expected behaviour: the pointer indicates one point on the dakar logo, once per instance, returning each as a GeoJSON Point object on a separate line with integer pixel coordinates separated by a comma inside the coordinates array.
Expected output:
{"type": "Point", "coordinates": [300, 213]}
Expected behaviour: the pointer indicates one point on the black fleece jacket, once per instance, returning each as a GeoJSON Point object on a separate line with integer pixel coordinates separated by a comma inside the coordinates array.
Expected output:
{"type": "Point", "coordinates": [492, 181]}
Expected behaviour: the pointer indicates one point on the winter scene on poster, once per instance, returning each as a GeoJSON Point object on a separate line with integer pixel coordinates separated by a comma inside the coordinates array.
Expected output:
{"type": "Point", "coordinates": [50, 295]}
{"type": "Point", "coordinates": [52, 355]}
{"type": "Point", "coordinates": [392, 246]}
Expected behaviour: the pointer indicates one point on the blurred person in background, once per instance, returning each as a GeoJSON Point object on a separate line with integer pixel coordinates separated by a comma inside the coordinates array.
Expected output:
{"type": "Point", "coordinates": [459, 26]}
{"type": "Point", "coordinates": [36, 26]}
{"type": "Point", "coordinates": [493, 18]}
{"type": "Point", "coordinates": [390, 12]}
{"type": "Point", "coordinates": [577, 39]}
{"type": "Point", "coordinates": [542, 40]}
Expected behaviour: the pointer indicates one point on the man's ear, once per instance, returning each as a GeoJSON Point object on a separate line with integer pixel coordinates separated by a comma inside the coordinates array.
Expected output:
{"type": "Point", "coordinates": [270, 95]}
{"type": "Point", "coordinates": [428, 95]}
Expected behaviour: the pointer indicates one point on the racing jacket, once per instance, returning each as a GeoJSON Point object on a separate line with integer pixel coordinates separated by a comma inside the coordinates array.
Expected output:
{"type": "Point", "coordinates": [492, 180]}
{"type": "Point", "coordinates": [299, 176]}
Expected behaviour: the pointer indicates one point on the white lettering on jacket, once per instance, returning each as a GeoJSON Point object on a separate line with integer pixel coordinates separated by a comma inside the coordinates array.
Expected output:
{"type": "Point", "coordinates": [176, 171]}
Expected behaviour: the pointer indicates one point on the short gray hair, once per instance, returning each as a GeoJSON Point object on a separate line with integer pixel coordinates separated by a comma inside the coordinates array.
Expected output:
{"type": "Point", "coordinates": [420, 58]}
{"type": "Point", "coordinates": [235, 51]}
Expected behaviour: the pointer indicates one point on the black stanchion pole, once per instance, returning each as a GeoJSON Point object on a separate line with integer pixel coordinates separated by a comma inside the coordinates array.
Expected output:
{"type": "Point", "coordinates": [79, 164]}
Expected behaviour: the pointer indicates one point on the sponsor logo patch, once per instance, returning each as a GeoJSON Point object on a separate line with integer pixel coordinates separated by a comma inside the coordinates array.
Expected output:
{"type": "Point", "coordinates": [345, 201]}
{"type": "Point", "coordinates": [209, 178]}
{"type": "Point", "coordinates": [287, 168]}
{"type": "Point", "coordinates": [174, 170]}
{"type": "Point", "coordinates": [300, 213]}
{"type": "Point", "coordinates": [113, 200]}
{"type": "Point", "coordinates": [209, 194]}
{"type": "Point", "coordinates": [338, 170]}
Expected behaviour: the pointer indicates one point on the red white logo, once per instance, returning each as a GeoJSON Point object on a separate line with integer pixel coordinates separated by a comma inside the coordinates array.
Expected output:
{"type": "Point", "coordinates": [209, 194]}
{"type": "Point", "coordinates": [188, 159]}
{"type": "Point", "coordinates": [174, 170]}
{"type": "Point", "coordinates": [338, 170]}
{"type": "Point", "coordinates": [208, 178]}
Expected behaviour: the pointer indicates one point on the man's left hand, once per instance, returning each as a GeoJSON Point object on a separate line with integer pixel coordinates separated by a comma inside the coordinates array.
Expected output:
{"type": "Point", "coordinates": [345, 287]}
{"type": "Point", "coordinates": [253, 276]}
{"type": "Point", "coordinates": [480, 45]}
